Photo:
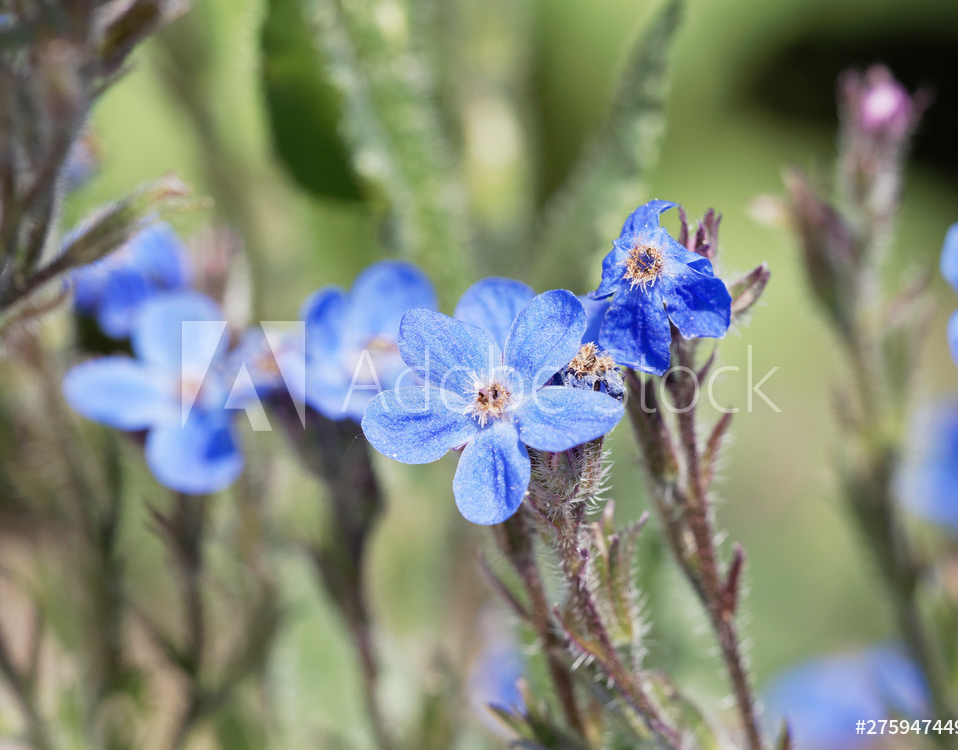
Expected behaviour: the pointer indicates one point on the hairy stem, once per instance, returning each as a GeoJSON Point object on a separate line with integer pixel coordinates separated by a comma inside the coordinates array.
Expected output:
{"type": "Point", "coordinates": [683, 503]}
{"type": "Point", "coordinates": [515, 540]}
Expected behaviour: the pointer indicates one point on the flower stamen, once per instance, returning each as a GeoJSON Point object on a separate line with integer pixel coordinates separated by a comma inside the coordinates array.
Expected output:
{"type": "Point", "coordinates": [643, 265]}
{"type": "Point", "coordinates": [590, 361]}
{"type": "Point", "coordinates": [491, 400]}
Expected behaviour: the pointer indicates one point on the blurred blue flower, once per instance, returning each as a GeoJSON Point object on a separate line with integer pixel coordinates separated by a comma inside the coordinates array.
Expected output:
{"type": "Point", "coordinates": [655, 280]}
{"type": "Point", "coordinates": [949, 269]}
{"type": "Point", "coordinates": [172, 389]}
{"type": "Point", "coordinates": [823, 699]}
{"type": "Point", "coordinates": [489, 399]}
{"type": "Point", "coordinates": [351, 339]}
{"type": "Point", "coordinates": [113, 289]}
{"type": "Point", "coordinates": [495, 671]}
{"type": "Point", "coordinates": [929, 481]}
{"type": "Point", "coordinates": [81, 163]}
{"type": "Point", "coordinates": [493, 304]}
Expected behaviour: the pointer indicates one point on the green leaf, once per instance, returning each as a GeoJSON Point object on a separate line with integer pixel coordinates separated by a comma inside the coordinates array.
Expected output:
{"type": "Point", "coordinates": [393, 127]}
{"type": "Point", "coordinates": [607, 181]}
{"type": "Point", "coordinates": [303, 106]}
{"type": "Point", "coordinates": [238, 730]}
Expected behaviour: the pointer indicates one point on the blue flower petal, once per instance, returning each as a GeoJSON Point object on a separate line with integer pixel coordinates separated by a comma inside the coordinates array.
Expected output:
{"type": "Point", "coordinates": [123, 294]}
{"type": "Point", "coordinates": [324, 313]}
{"type": "Point", "coordinates": [953, 335]}
{"type": "Point", "coordinates": [556, 418]}
{"type": "Point", "coordinates": [698, 305]}
{"type": "Point", "coordinates": [595, 311]}
{"type": "Point", "coordinates": [88, 285]}
{"type": "Point", "coordinates": [158, 336]}
{"type": "Point", "coordinates": [324, 309]}
{"type": "Point", "coordinates": [445, 351]}
{"type": "Point", "coordinates": [613, 269]}
{"type": "Point", "coordinates": [196, 458]}
{"type": "Point", "coordinates": [949, 257]}
{"type": "Point", "coordinates": [327, 391]}
{"type": "Point", "coordinates": [636, 331]}
{"type": "Point", "coordinates": [381, 295]}
{"type": "Point", "coordinates": [158, 254]}
{"type": "Point", "coordinates": [544, 338]}
{"type": "Point", "coordinates": [824, 699]}
{"type": "Point", "coordinates": [493, 475]}
{"type": "Point", "coordinates": [417, 425]}
{"type": "Point", "coordinates": [928, 483]}
{"type": "Point", "coordinates": [121, 392]}
{"type": "Point", "coordinates": [645, 217]}
{"type": "Point", "coordinates": [493, 304]}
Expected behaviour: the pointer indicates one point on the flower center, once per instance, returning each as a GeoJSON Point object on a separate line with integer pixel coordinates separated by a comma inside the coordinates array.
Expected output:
{"type": "Point", "coordinates": [266, 363]}
{"type": "Point", "coordinates": [590, 361]}
{"type": "Point", "coordinates": [643, 265]}
{"type": "Point", "coordinates": [382, 345]}
{"type": "Point", "coordinates": [189, 389]}
{"type": "Point", "coordinates": [490, 402]}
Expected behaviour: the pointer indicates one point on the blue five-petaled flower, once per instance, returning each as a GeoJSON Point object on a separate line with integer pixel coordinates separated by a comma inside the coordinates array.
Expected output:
{"type": "Point", "coordinates": [655, 280]}
{"type": "Point", "coordinates": [491, 399]}
{"type": "Point", "coordinates": [351, 351]}
{"type": "Point", "coordinates": [173, 389]}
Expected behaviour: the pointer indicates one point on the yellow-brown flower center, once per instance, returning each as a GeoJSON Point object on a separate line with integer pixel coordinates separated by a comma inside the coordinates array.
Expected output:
{"type": "Point", "coordinates": [590, 361]}
{"type": "Point", "coordinates": [643, 265]}
{"type": "Point", "coordinates": [382, 345]}
{"type": "Point", "coordinates": [490, 402]}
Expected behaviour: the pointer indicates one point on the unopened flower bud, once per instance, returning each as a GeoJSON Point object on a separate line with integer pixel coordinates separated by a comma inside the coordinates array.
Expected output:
{"type": "Point", "coordinates": [879, 107]}
{"type": "Point", "coordinates": [829, 246]}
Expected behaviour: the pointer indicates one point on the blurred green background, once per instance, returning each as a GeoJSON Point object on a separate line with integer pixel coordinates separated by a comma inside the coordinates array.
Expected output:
{"type": "Point", "coordinates": [752, 89]}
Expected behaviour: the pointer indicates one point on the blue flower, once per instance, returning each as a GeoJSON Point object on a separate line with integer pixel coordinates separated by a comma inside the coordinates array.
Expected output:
{"type": "Point", "coordinates": [490, 399]}
{"type": "Point", "coordinates": [655, 280]}
{"type": "Point", "coordinates": [112, 289]}
{"type": "Point", "coordinates": [494, 303]}
{"type": "Point", "coordinates": [80, 165]}
{"type": "Point", "coordinates": [172, 390]}
{"type": "Point", "coordinates": [823, 700]}
{"type": "Point", "coordinates": [495, 671]}
{"type": "Point", "coordinates": [949, 269]}
{"type": "Point", "coordinates": [929, 482]}
{"type": "Point", "coordinates": [351, 339]}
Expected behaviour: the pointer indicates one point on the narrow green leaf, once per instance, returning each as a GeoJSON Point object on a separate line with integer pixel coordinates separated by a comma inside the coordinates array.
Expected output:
{"type": "Point", "coordinates": [393, 127]}
{"type": "Point", "coordinates": [303, 106]}
{"type": "Point", "coordinates": [607, 181]}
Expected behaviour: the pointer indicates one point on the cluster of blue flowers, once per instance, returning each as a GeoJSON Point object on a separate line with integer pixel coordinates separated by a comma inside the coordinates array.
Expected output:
{"type": "Point", "coordinates": [509, 372]}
